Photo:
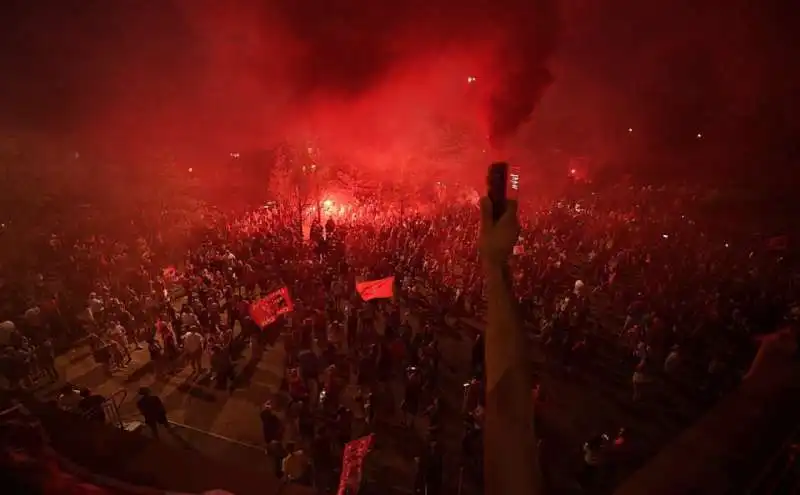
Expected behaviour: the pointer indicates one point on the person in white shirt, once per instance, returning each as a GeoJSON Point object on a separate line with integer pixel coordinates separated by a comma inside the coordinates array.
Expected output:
{"type": "Point", "coordinates": [193, 347]}
{"type": "Point", "coordinates": [118, 335]}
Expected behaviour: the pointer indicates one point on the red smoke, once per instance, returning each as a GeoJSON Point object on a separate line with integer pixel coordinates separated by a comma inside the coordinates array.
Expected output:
{"type": "Point", "coordinates": [376, 83]}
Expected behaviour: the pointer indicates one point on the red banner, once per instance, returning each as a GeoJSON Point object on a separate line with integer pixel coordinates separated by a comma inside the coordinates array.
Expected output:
{"type": "Point", "coordinates": [352, 461]}
{"type": "Point", "coordinates": [267, 309]}
{"type": "Point", "coordinates": [376, 289]}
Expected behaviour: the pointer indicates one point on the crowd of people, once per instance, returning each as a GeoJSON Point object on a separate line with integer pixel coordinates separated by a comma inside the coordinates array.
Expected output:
{"type": "Point", "coordinates": [629, 272]}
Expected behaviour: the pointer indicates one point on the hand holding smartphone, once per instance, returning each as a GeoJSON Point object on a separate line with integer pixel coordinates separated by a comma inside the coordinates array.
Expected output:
{"type": "Point", "coordinates": [503, 184]}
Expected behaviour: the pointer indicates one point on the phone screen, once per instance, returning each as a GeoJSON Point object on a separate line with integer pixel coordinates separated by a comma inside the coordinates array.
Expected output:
{"type": "Point", "coordinates": [513, 183]}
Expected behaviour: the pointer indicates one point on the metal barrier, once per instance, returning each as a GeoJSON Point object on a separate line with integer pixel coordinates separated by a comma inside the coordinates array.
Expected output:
{"type": "Point", "coordinates": [111, 407]}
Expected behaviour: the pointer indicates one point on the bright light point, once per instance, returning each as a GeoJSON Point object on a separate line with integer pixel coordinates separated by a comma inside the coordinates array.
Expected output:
{"type": "Point", "coordinates": [191, 170]}
{"type": "Point", "coordinates": [471, 79]}
{"type": "Point", "coordinates": [699, 136]}
{"type": "Point", "coordinates": [234, 155]}
{"type": "Point", "coordinates": [573, 171]}
{"type": "Point", "coordinates": [665, 236]}
{"type": "Point", "coordinates": [630, 129]}
{"type": "Point", "coordinates": [328, 203]}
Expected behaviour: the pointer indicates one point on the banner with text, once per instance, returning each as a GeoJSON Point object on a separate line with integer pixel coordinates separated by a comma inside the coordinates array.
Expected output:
{"type": "Point", "coordinates": [352, 462]}
{"type": "Point", "coordinates": [267, 309]}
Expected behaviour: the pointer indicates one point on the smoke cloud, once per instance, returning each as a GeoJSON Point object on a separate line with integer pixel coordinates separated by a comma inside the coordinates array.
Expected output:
{"type": "Point", "coordinates": [381, 78]}
{"type": "Point", "coordinates": [350, 50]}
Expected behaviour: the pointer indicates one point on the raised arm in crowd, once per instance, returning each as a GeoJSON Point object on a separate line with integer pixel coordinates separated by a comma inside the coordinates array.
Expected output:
{"type": "Point", "coordinates": [511, 461]}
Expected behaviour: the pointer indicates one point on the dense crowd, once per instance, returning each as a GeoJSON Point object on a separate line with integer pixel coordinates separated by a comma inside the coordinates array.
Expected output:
{"type": "Point", "coordinates": [627, 272]}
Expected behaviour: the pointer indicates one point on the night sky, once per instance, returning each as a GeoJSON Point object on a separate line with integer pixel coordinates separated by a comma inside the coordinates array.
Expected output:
{"type": "Point", "coordinates": [576, 74]}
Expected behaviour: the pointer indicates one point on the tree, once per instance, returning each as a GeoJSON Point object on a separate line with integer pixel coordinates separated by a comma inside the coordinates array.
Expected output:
{"type": "Point", "coordinates": [356, 182]}
{"type": "Point", "coordinates": [291, 178]}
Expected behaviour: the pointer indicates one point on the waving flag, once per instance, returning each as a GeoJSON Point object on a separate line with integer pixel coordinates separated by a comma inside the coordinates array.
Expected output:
{"type": "Point", "coordinates": [376, 289]}
{"type": "Point", "coordinates": [267, 309]}
{"type": "Point", "coordinates": [352, 461]}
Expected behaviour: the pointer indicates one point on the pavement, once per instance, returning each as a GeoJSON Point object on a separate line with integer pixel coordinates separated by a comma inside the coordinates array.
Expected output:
{"type": "Point", "coordinates": [225, 425]}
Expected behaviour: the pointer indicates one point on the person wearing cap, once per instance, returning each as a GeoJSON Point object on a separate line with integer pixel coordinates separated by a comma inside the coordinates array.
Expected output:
{"type": "Point", "coordinates": [153, 410]}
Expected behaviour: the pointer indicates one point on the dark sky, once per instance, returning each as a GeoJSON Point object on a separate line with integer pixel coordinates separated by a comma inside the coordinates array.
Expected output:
{"type": "Point", "coordinates": [210, 75]}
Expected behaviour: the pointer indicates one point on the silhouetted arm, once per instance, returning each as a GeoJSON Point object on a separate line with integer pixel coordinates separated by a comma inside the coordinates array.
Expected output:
{"type": "Point", "coordinates": [510, 450]}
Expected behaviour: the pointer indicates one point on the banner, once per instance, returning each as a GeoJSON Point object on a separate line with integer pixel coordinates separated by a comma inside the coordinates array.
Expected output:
{"type": "Point", "coordinates": [376, 289]}
{"type": "Point", "coordinates": [267, 309]}
{"type": "Point", "coordinates": [352, 461]}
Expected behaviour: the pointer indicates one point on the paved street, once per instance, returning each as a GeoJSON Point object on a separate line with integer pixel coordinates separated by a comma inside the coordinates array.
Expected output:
{"type": "Point", "coordinates": [225, 425]}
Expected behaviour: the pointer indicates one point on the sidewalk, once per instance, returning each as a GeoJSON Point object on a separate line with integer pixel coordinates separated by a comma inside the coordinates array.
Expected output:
{"type": "Point", "coordinates": [217, 447]}
{"type": "Point", "coordinates": [175, 465]}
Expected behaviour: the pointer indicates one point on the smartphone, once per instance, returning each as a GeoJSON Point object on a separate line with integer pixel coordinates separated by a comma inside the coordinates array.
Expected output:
{"type": "Point", "coordinates": [503, 183]}
{"type": "Point", "coordinates": [497, 180]}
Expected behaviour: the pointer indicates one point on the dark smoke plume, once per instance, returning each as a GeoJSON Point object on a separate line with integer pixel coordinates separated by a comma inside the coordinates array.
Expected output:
{"type": "Point", "coordinates": [347, 48]}
{"type": "Point", "coordinates": [523, 71]}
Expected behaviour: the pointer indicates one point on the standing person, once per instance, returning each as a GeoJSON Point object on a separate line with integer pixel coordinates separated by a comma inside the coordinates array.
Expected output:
{"type": "Point", "coordinates": [46, 359]}
{"type": "Point", "coordinates": [221, 366]}
{"type": "Point", "coordinates": [153, 410]}
{"type": "Point", "coordinates": [118, 335]}
{"type": "Point", "coordinates": [511, 459]}
{"type": "Point", "coordinates": [271, 425]}
{"type": "Point", "coordinates": [156, 357]}
{"type": "Point", "coordinates": [193, 347]}
{"type": "Point", "coordinates": [432, 466]}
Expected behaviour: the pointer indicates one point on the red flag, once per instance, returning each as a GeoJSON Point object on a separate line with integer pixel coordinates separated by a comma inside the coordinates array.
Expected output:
{"type": "Point", "coordinates": [267, 309]}
{"type": "Point", "coordinates": [352, 461]}
{"type": "Point", "coordinates": [778, 243]}
{"type": "Point", "coordinates": [376, 289]}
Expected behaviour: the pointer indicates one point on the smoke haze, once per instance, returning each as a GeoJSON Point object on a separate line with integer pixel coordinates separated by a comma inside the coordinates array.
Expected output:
{"type": "Point", "coordinates": [382, 83]}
